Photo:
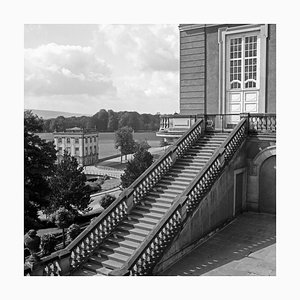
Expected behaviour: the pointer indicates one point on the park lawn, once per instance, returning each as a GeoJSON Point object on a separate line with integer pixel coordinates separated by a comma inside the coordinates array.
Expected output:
{"type": "Point", "coordinates": [110, 184]}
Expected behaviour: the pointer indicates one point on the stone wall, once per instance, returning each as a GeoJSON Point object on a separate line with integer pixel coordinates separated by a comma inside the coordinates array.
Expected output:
{"type": "Point", "coordinates": [215, 209]}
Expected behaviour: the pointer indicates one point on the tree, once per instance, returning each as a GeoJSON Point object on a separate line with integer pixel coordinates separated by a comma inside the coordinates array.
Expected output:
{"type": "Point", "coordinates": [100, 120]}
{"type": "Point", "coordinates": [112, 121]}
{"type": "Point", "coordinates": [48, 243]}
{"type": "Point", "coordinates": [62, 219]}
{"type": "Point", "coordinates": [39, 159]}
{"type": "Point", "coordinates": [107, 200]}
{"type": "Point", "coordinates": [142, 159]}
{"type": "Point", "coordinates": [143, 144]}
{"type": "Point", "coordinates": [68, 187]}
{"type": "Point", "coordinates": [124, 141]}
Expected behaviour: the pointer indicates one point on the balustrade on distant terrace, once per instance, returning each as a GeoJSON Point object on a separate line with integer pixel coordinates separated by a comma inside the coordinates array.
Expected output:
{"type": "Point", "coordinates": [150, 251]}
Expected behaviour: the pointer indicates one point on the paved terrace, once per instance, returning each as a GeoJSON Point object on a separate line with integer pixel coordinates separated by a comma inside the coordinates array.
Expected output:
{"type": "Point", "coordinates": [245, 247]}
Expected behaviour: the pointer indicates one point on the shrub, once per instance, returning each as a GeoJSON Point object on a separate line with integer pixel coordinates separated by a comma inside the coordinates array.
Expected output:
{"type": "Point", "coordinates": [106, 200]}
{"type": "Point", "coordinates": [48, 243]}
{"type": "Point", "coordinates": [62, 218]}
{"type": "Point", "coordinates": [164, 143]}
{"type": "Point", "coordinates": [73, 231]}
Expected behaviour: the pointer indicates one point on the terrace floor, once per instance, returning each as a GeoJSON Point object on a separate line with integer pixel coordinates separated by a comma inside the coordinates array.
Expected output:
{"type": "Point", "coordinates": [245, 247]}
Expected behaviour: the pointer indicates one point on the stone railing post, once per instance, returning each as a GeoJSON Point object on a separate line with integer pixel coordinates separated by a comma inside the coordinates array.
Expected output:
{"type": "Point", "coordinates": [221, 157]}
{"type": "Point", "coordinates": [183, 208]}
{"type": "Point", "coordinates": [65, 262]}
{"type": "Point", "coordinates": [128, 193]}
{"type": "Point", "coordinates": [246, 116]}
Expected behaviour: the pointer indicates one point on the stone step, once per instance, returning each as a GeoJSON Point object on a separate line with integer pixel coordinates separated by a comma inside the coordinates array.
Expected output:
{"type": "Point", "coordinates": [128, 236]}
{"type": "Point", "coordinates": [182, 174]}
{"type": "Point", "coordinates": [139, 224]}
{"type": "Point", "coordinates": [172, 182]}
{"type": "Point", "coordinates": [123, 243]}
{"type": "Point", "coordinates": [200, 146]}
{"type": "Point", "coordinates": [214, 133]}
{"type": "Point", "coordinates": [193, 160]}
{"type": "Point", "coordinates": [199, 151]}
{"type": "Point", "coordinates": [133, 230]}
{"type": "Point", "coordinates": [202, 155]}
{"type": "Point", "coordinates": [142, 218]}
{"type": "Point", "coordinates": [155, 210]}
{"type": "Point", "coordinates": [166, 190]}
{"type": "Point", "coordinates": [192, 164]}
{"type": "Point", "coordinates": [165, 195]}
{"type": "Point", "coordinates": [146, 213]}
{"type": "Point", "coordinates": [112, 247]}
{"type": "Point", "coordinates": [108, 263]}
{"type": "Point", "coordinates": [160, 200]}
{"type": "Point", "coordinates": [212, 139]}
{"type": "Point", "coordinates": [169, 186]}
{"type": "Point", "coordinates": [160, 204]}
{"type": "Point", "coordinates": [108, 254]}
{"type": "Point", "coordinates": [188, 167]}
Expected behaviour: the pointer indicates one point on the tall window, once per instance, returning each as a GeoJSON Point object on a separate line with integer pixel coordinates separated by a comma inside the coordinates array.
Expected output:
{"type": "Point", "coordinates": [59, 140]}
{"type": "Point", "coordinates": [243, 62]}
{"type": "Point", "coordinates": [235, 63]}
{"type": "Point", "coordinates": [68, 140]}
{"type": "Point", "coordinates": [250, 61]}
{"type": "Point", "coordinates": [76, 140]}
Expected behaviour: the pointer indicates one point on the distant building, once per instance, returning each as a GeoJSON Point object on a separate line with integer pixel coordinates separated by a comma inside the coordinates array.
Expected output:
{"type": "Point", "coordinates": [80, 143]}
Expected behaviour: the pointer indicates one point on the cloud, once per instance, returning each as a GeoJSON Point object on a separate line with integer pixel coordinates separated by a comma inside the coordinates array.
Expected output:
{"type": "Point", "coordinates": [126, 67]}
{"type": "Point", "coordinates": [148, 47]}
{"type": "Point", "coordinates": [66, 70]}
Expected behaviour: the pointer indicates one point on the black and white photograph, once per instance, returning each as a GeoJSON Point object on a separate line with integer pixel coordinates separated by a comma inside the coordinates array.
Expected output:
{"type": "Point", "coordinates": [150, 150]}
{"type": "Point", "coordinates": [146, 159]}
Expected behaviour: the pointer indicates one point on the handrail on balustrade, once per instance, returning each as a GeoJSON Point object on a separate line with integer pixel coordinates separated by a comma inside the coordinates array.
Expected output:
{"type": "Point", "coordinates": [214, 157]}
{"type": "Point", "coordinates": [124, 195]}
{"type": "Point", "coordinates": [125, 269]}
{"type": "Point", "coordinates": [169, 151]}
{"type": "Point", "coordinates": [183, 198]}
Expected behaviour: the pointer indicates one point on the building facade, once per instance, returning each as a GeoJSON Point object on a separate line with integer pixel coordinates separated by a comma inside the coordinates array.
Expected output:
{"type": "Point", "coordinates": [82, 144]}
{"type": "Point", "coordinates": [225, 69]}
{"type": "Point", "coordinates": [229, 70]}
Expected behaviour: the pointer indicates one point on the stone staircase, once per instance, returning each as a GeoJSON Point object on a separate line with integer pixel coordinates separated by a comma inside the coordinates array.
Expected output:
{"type": "Point", "coordinates": [117, 248]}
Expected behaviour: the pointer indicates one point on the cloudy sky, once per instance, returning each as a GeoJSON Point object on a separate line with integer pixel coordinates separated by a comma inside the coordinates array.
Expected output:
{"type": "Point", "coordinates": [83, 68]}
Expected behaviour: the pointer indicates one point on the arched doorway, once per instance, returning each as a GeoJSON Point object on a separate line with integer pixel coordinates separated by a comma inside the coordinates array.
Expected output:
{"type": "Point", "coordinates": [267, 186]}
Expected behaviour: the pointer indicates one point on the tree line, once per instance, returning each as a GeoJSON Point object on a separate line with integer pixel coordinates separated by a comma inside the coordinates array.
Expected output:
{"type": "Point", "coordinates": [105, 121]}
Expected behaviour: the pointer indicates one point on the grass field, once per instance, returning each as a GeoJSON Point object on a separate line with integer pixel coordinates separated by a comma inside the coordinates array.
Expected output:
{"type": "Point", "coordinates": [107, 141]}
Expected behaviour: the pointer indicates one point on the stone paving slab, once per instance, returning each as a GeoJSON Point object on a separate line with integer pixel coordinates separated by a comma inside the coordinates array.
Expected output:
{"type": "Point", "coordinates": [245, 247]}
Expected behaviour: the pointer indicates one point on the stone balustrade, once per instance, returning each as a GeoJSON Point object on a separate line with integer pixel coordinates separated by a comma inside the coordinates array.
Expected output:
{"type": "Point", "coordinates": [79, 250]}
{"type": "Point", "coordinates": [153, 247]}
{"type": "Point", "coordinates": [262, 123]}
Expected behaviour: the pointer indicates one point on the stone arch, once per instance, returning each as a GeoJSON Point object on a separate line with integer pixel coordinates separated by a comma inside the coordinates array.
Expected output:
{"type": "Point", "coordinates": [263, 155]}
{"type": "Point", "coordinates": [265, 165]}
